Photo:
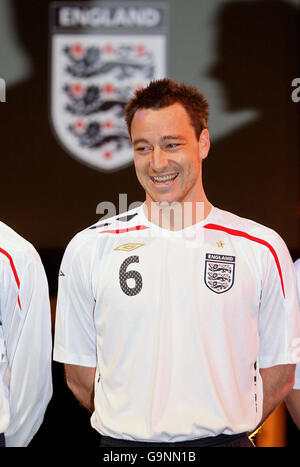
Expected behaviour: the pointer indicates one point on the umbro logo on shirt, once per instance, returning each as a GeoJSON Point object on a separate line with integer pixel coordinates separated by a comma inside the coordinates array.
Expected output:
{"type": "Point", "coordinates": [129, 246]}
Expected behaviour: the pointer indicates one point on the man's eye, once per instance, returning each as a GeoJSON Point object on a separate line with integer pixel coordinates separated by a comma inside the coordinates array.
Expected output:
{"type": "Point", "coordinates": [173, 145]}
{"type": "Point", "coordinates": [143, 149]}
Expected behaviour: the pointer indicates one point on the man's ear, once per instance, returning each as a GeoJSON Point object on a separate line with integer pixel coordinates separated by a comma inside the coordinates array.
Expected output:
{"type": "Point", "coordinates": [204, 143]}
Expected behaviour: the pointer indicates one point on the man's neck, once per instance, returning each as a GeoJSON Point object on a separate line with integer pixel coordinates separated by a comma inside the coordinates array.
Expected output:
{"type": "Point", "coordinates": [176, 216]}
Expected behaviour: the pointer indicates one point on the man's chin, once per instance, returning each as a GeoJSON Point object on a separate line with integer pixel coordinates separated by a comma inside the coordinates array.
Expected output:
{"type": "Point", "coordinates": [165, 199]}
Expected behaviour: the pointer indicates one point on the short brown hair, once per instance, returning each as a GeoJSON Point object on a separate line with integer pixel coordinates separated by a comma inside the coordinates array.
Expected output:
{"type": "Point", "coordinates": [165, 92]}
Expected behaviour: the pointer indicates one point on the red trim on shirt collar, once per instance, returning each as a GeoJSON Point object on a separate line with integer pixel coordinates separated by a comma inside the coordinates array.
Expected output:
{"type": "Point", "coordinates": [130, 229]}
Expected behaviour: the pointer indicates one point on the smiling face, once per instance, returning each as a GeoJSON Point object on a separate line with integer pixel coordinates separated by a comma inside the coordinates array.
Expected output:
{"type": "Point", "coordinates": [167, 154]}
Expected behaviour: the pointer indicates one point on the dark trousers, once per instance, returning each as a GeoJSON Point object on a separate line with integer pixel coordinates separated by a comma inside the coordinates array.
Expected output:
{"type": "Point", "coordinates": [2, 440]}
{"type": "Point", "coordinates": [227, 441]}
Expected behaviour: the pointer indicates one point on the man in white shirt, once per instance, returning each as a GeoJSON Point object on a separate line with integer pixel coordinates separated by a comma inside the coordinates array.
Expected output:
{"type": "Point", "coordinates": [293, 398]}
{"type": "Point", "coordinates": [176, 329]}
{"type": "Point", "coordinates": [25, 340]}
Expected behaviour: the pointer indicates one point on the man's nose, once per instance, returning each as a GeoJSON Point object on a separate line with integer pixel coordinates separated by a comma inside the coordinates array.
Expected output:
{"type": "Point", "coordinates": [159, 161]}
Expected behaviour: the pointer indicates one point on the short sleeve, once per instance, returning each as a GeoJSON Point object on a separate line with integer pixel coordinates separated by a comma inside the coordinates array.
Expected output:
{"type": "Point", "coordinates": [279, 321]}
{"type": "Point", "coordinates": [75, 334]}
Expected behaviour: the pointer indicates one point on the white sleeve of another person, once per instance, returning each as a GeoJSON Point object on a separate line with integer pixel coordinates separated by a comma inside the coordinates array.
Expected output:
{"type": "Point", "coordinates": [29, 348]}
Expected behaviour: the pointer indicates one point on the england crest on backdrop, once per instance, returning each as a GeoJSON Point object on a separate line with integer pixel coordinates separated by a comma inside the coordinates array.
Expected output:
{"type": "Point", "coordinates": [100, 54]}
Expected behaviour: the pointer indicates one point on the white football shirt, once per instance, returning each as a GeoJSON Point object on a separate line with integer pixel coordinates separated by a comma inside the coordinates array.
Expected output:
{"type": "Point", "coordinates": [177, 324]}
{"type": "Point", "coordinates": [25, 339]}
{"type": "Point", "coordinates": [297, 373]}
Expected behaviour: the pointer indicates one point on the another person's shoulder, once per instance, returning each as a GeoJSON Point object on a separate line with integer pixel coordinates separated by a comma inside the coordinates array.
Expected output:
{"type": "Point", "coordinates": [15, 247]}
{"type": "Point", "coordinates": [250, 229]}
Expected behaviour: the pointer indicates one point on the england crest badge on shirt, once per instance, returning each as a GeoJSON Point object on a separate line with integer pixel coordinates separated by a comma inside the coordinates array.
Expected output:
{"type": "Point", "coordinates": [101, 52]}
{"type": "Point", "coordinates": [219, 272]}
